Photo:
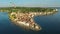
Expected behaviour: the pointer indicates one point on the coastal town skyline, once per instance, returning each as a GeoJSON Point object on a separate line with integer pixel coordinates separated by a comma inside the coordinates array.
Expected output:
{"type": "Point", "coordinates": [30, 3]}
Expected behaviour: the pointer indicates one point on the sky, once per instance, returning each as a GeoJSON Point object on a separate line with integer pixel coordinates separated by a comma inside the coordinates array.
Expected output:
{"type": "Point", "coordinates": [30, 3]}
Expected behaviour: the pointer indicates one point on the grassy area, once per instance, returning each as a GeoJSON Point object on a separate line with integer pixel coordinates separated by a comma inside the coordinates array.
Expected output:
{"type": "Point", "coordinates": [26, 9]}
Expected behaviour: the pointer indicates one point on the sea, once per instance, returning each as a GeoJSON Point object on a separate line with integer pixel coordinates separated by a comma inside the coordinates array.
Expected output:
{"type": "Point", "coordinates": [50, 24]}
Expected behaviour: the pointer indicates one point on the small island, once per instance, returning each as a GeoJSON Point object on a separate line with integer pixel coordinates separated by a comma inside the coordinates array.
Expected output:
{"type": "Point", "coordinates": [23, 16]}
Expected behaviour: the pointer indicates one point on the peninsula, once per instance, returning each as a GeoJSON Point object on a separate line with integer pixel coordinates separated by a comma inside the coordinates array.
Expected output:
{"type": "Point", "coordinates": [23, 16]}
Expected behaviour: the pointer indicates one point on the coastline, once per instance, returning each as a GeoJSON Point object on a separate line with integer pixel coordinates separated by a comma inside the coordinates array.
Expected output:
{"type": "Point", "coordinates": [27, 17]}
{"type": "Point", "coordinates": [23, 16]}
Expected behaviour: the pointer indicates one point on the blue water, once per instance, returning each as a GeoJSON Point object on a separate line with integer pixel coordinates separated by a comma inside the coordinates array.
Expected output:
{"type": "Point", "coordinates": [50, 25]}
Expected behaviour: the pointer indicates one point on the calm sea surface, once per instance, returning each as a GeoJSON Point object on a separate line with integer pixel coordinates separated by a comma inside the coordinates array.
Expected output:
{"type": "Point", "coordinates": [50, 24]}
